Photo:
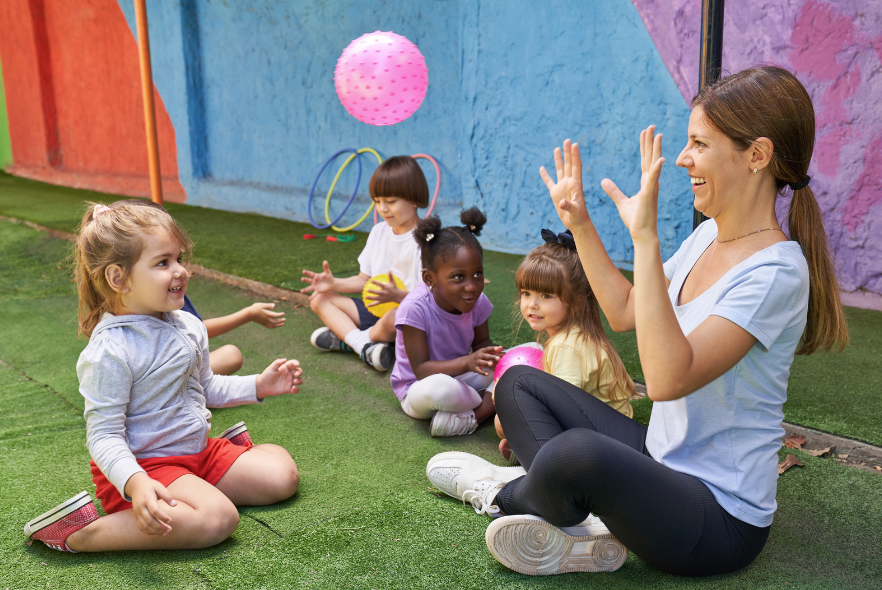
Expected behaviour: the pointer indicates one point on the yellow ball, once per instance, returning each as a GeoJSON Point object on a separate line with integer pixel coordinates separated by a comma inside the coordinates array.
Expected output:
{"type": "Point", "coordinates": [374, 284]}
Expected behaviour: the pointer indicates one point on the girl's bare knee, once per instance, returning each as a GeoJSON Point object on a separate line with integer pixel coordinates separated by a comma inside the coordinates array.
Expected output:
{"type": "Point", "coordinates": [286, 480]}
{"type": "Point", "coordinates": [216, 525]}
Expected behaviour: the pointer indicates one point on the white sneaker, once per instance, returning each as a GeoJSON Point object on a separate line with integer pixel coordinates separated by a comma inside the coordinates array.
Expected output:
{"type": "Point", "coordinates": [453, 423]}
{"type": "Point", "coordinates": [470, 478]}
{"type": "Point", "coordinates": [531, 545]}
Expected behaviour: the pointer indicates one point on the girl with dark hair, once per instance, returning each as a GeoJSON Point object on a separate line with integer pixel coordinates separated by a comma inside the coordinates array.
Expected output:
{"type": "Point", "coordinates": [445, 355]}
{"type": "Point", "coordinates": [398, 187]}
{"type": "Point", "coordinates": [717, 329]}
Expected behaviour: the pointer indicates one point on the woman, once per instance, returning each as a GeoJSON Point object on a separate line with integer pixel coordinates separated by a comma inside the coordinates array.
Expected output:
{"type": "Point", "coordinates": [717, 328]}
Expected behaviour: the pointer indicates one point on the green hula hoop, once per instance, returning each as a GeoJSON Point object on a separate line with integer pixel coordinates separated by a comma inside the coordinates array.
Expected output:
{"type": "Point", "coordinates": [333, 184]}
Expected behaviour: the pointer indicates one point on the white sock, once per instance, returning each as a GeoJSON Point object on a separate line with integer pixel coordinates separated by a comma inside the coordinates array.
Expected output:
{"type": "Point", "coordinates": [357, 340]}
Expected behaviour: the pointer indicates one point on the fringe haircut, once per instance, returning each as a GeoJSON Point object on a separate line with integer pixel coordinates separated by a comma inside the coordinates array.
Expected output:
{"type": "Point", "coordinates": [115, 236]}
{"type": "Point", "coordinates": [556, 269]}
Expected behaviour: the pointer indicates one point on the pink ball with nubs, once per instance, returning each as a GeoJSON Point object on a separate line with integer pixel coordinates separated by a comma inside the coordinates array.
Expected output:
{"type": "Point", "coordinates": [524, 354]}
{"type": "Point", "coordinates": [381, 78]}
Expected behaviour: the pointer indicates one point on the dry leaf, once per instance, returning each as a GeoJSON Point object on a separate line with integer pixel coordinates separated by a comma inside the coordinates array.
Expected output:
{"type": "Point", "coordinates": [820, 452]}
{"type": "Point", "coordinates": [843, 456]}
{"type": "Point", "coordinates": [794, 441]}
{"type": "Point", "coordinates": [787, 463]}
{"type": "Point", "coordinates": [283, 298]}
{"type": "Point", "coordinates": [878, 468]}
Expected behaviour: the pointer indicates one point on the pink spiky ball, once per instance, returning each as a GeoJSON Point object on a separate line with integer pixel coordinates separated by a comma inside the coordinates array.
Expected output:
{"type": "Point", "coordinates": [381, 78]}
{"type": "Point", "coordinates": [523, 354]}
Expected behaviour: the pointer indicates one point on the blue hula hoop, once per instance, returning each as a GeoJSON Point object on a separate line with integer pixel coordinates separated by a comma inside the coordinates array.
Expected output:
{"type": "Point", "coordinates": [315, 182]}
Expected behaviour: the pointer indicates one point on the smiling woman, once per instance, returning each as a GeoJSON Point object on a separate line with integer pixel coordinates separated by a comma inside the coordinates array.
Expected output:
{"type": "Point", "coordinates": [717, 329]}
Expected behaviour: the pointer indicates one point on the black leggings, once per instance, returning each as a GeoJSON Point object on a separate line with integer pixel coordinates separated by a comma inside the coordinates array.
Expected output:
{"type": "Point", "coordinates": [582, 456]}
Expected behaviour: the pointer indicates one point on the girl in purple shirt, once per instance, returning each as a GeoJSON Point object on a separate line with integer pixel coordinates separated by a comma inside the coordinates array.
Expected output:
{"type": "Point", "coordinates": [445, 356]}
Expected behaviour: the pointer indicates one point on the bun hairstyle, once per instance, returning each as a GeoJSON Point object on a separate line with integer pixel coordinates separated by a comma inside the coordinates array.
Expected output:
{"type": "Point", "coordinates": [114, 234]}
{"type": "Point", "coordinates": [555, 268]}
{"type": "Point", "coordinates": [438, 244]}
{"type": "Point", "coordinates": [402, 177]}
{"type": "Point", "coordinates": [771, 102]}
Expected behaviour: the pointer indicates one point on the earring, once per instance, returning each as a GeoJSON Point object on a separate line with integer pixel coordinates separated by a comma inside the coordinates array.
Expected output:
{"type": "Point", "coordinates": [754, 171]}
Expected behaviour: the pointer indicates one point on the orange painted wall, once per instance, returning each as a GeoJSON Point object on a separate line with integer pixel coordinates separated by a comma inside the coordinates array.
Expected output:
{"type": "Point", "coordinates": [74, 98]}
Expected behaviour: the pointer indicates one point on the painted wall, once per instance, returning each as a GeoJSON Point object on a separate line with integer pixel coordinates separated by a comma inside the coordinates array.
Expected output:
{"type": "Point", "coordinates": [5, 144]}
{"type": "Point", "coordinates": [835, 48]}
{"type": "Point", "coordinates": [74, 98]}
{"type": "Point", "coordinates": [250, 91]}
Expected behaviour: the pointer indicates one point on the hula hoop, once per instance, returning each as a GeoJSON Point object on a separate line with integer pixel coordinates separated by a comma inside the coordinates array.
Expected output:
{"type": "Point", "coordinates": [331, 190]}
{"type": "Point", "coordinates": [437, 183]}
{"type": "Point", "coordinates": [315, 182]}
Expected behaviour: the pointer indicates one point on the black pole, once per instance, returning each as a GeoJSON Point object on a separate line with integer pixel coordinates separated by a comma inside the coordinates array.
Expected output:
{"type": "Point", "coordinates": [710, 62]}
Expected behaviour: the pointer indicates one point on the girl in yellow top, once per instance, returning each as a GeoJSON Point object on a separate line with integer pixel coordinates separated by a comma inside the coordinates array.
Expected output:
{"type": "Point", "coordinates": [558, 303]}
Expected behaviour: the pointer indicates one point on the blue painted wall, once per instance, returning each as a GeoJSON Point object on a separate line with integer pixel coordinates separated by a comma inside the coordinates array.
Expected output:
{"type": "Point", "coordinates": [250, 90]}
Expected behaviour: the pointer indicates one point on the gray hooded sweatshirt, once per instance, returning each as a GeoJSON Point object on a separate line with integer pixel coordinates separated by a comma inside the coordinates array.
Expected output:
{"type": "Point", "coordinates": [148, 386]}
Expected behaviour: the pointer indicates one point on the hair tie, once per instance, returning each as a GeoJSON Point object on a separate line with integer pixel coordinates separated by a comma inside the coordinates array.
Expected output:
{"type": "Point", "coordinates": [565, 238]}
{"type": "Point", "coordinates": [429, 237]}
{"type": "Point", "coordinates": [795, 186]}
{"type": "Point", "coordinates": [472, 227]}
{"type": "Point", "coordinates": [99, 209]}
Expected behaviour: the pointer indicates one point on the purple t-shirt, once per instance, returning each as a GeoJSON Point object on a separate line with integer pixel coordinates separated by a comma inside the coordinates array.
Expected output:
{"type": "Point", "coordinates": [449, 335]}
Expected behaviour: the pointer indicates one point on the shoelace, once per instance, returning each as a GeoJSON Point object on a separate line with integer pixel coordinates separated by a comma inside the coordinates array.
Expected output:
{"type": "Point", "coordinates": [478, 500]}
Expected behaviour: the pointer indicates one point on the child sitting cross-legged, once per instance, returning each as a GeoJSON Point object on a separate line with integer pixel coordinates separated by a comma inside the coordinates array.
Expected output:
{"type": "Point", "coordinates": [398, 187]}
{"type": "Point", "coordinates": [445, 355]}
{"type": "Point", "coordinates": [147, 384]}
{"type": "Point", "coordinates": [556, 300]}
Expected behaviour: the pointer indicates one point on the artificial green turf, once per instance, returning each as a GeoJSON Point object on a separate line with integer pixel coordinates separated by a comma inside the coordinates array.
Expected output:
{"type": "Point", "coordinates": [365, 515]}
{"type": "Point", "coordinates": [836, 393]}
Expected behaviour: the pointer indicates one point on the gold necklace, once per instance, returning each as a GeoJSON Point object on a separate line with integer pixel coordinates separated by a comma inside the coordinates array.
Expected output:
{"type": "Point", "coordinates": [750, 234]}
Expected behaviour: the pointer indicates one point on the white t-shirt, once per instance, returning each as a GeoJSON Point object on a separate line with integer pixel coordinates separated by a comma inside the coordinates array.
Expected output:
{"type": "Point", "coordinates": [385, 251]}
{"type": "Point", "coordinates": [727, 433]}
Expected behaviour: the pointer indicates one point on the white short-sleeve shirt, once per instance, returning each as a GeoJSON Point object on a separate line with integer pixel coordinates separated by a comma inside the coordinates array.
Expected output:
{"type": "Point", "coordinates": [387, 251]}
{"type": "Point", "coordinates": [727, 433]}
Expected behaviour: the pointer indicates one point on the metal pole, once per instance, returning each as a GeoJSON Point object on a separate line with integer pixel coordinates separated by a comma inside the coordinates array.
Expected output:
{"type": "Point", "coordinates": [710, 62]}
{"type": "Point", "coordinates": [149, 110]}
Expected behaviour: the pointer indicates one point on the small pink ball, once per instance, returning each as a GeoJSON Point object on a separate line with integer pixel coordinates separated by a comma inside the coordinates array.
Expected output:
{"type": "Point", "coordinates": [395, 58]}
{"type": "Point", "coordinates": [523, 354]}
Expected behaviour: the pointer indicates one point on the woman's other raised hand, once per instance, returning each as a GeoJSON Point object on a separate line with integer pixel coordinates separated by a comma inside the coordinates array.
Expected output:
{"type": "Point", "coordinates": [566, 193]}
{"type": "Point", "coordinates": [640, 212]}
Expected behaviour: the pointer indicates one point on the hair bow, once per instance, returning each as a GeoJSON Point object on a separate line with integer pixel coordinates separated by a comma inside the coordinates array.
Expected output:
{"type": "Point", "coordinates": [565, 238]}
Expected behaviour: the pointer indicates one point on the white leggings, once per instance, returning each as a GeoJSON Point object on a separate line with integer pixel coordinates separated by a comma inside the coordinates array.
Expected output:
{"type": "Point", "coordinates": [446, 393]}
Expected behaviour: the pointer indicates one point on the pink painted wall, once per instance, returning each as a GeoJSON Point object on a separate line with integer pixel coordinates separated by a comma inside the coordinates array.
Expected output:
{"type": "Point", "coordinates": [835, 48]}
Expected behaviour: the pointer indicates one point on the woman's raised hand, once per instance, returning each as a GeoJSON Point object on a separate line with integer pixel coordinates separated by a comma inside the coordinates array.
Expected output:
{"type": "Point", "coordinates": [566, 193]}
{"type": "Point", "coordinates": [640, 212]}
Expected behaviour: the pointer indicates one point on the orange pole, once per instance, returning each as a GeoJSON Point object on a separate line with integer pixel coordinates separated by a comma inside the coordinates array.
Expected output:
{"type": "Point", "coordinates": [149, 110]}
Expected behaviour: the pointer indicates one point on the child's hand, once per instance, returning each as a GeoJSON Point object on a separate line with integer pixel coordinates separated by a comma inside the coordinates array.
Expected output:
{"type": "Point", "coordinates": [281, 377]}
{"type": "Point", "coordinates": [260, 313]}
{"type": "Point", "coordinates": [385, 293]}
{"type": "Point", "coordinates": [484, 357]}
{"type": "Point", "coordinates": [319, 282]}
{"type": "Point", "coordinates": [566, 193]}
{"type": "Point", "coordinates": [146, 493]}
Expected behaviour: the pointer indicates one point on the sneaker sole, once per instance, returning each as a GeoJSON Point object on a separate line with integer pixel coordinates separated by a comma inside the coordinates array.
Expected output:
{"type": "Point", "coordinates": [530, 545]}
{"type": "Point", "coordinates": [234, 430]}
{"type": "Point", "coordinates": [377, 360]}
{"type": "Point", "coordinates": [511, 473]}
{"type": "Point", "coordinates": [41, 522]}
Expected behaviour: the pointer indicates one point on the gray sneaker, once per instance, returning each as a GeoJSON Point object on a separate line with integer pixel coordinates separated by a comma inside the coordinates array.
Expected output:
{"type": "Point", "coordinates": [379, 355]}
{"type": "Point", "coordinates": [324, 339]}
{"type": "Point", "coordinates": [533, 546]}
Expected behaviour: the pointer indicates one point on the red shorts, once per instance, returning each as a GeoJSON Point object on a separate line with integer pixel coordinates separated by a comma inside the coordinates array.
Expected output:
{"type": "Point", "coordinates": [210, 465]}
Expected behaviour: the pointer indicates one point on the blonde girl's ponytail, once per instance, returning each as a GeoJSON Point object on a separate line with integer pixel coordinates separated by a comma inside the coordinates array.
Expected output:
{"type": "Point", "coordinates": [110, 235]}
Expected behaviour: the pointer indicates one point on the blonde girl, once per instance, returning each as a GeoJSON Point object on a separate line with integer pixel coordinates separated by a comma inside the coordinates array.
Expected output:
{"type": "Point", "coordinates": [147, 384]}
{"type": "Point", "coordinates": [555, 299]}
